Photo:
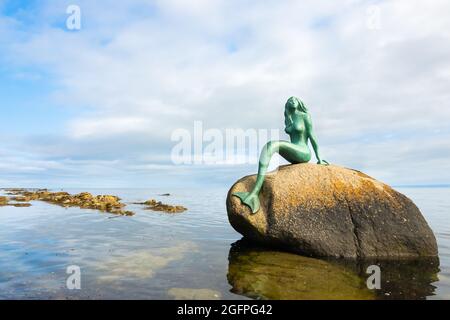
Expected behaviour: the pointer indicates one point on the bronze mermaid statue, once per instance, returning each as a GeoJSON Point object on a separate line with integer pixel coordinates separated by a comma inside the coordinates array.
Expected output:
{"type": "Point", "coordinates": [298, 125]}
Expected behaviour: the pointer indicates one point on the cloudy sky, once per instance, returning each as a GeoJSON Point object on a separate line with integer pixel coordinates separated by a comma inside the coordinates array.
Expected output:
{"type": "Point", "coordinates": [96, 107]}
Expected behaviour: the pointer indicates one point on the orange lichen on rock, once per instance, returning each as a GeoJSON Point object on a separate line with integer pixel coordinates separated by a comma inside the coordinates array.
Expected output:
{"type": "Point", "coordinates": [331, 211]}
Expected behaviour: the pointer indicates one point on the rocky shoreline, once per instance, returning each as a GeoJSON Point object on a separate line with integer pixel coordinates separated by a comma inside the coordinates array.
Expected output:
{"type": "Point", "coordinates": [85, 200]}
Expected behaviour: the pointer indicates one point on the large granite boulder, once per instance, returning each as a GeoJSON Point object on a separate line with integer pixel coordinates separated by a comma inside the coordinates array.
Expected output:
{"type": "Point", "coordinates": [323, 211]}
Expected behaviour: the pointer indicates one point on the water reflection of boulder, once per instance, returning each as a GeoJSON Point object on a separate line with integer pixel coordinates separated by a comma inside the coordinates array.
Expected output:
{"type": "Point", "coordinates": [264, 274]}
{"type": "Point", "coordinates": [402, 279]}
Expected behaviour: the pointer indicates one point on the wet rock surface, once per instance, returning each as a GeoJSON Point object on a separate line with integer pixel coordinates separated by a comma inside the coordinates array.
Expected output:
{"type": "Point", "coordinates": [85, 200]}
{"type": "Point", "coordinates": [5, 201]}
{"type": "Point", "coordinates": [106, 203]}
{"type": "Point", "coordinates": [154, 205]}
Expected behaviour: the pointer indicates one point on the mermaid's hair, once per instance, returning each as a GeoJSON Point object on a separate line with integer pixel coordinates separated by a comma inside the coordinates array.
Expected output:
{"type": "Point", "coordinates": [299, 103]}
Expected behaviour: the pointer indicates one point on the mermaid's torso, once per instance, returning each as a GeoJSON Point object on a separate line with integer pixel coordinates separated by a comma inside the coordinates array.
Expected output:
{"type": "Point", "coordinates": [299, 151]}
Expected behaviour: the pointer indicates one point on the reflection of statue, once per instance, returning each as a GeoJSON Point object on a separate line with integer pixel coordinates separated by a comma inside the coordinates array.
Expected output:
{"type": "Point", "coordinates": [299, 128]}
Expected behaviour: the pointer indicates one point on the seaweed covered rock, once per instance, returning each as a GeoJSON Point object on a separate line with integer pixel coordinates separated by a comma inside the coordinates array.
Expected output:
{"type": "Point", "coordinates": [332, 211]}
{"type": "Point", "coordinates": [3, 201]}
{"type": "Point", "coordinates": [154, 205]}
{"type": "Point", "coordinates": [107, 203]}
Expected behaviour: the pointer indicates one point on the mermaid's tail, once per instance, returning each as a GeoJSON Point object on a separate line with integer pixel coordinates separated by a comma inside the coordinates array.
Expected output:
{"type": "Point", "coordinates": [251, 200]}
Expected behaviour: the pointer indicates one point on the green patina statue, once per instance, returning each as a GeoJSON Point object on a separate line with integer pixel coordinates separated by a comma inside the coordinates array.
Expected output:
{"type": "Point", "coordinates": [299, 128]}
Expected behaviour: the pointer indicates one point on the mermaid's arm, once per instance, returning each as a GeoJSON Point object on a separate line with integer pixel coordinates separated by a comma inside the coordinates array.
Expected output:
{"type": "Point", "coordinates": [313, 139]}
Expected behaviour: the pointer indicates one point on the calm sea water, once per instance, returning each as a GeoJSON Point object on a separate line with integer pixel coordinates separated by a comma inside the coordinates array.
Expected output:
{"type": "Point", "coordinates": [195, 254]}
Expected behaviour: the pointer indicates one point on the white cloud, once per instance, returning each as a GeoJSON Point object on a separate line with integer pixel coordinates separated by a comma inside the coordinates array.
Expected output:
{"type": "Point", "coordinates": [102, 127]}
{"type": "Point", "coordinates": [138, 71]}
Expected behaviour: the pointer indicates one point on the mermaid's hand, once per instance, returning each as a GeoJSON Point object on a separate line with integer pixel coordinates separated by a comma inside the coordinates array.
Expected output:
{"type": "Point", "coordinates": [323, 162]}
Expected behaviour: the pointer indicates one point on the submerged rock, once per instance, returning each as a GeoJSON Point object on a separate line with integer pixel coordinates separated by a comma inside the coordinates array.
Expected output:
{"type": "Point", "coordinates": [107, 203]}
{"type": "Point", "coordinates": [331, 211]}
{"type": "Point", "coordinates": [20, 205]}
{"type": "Point", "coordinates": [21, 199]}
{"type": "Point", "coordinates": [141, 264]}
